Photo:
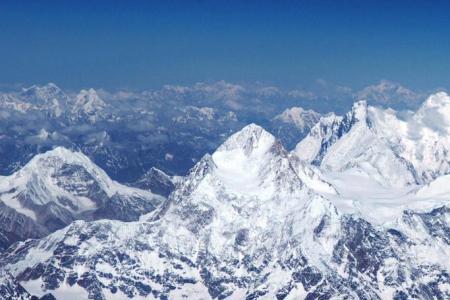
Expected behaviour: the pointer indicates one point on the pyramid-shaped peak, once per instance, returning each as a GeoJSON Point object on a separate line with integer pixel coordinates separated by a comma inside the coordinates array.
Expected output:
{"type": "Point", "coordinates": [249, 138]}
{"type": "Point", "coordinates": [44, 165]}
{"type": "Point", "coordinates": [252, 128]}
{"type": "Point", "coordinates": [89, 101]}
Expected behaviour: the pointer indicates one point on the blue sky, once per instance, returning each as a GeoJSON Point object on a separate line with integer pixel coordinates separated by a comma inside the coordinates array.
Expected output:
{"type": "Point", "coordinates": [138, 45]}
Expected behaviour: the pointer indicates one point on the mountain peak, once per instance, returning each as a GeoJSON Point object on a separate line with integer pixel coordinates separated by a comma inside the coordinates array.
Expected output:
{"type": "Point", "coordinates": [47, 163]}
{"type": "Point", "coordinates": [299, 116]}
{"type": "Point", "coordinates": [358, 115]}
{"type": "Point", "coordinates": [252, 127]}
{"type": "Point", "coordinates": [359, 110]}
{"type": "Point", "coordinates": [60, 186]}
{"type": "Point", "coordinates": [49, 89]}
{"type": "Point", "coordinates": [89, 101]}
{"type": "Point", "coordinates": [48, 86]}
{"type": "Point", "coordinates": [62, 153]}
{"type": "Point", "coordinates": [251, 137]}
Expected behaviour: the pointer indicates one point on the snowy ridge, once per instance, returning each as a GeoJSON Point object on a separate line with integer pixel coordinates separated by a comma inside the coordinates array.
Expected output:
{"type": "Point", "coordinates": [397, 150]}
{"type": "Point", "coordinates": [379, 160]}
{"type": "Point", "coordinates": [312, 148]}
{"type": "Point", "coordinates": [45, 167]}
{"type": "Point", "coordinates": [48, 93]}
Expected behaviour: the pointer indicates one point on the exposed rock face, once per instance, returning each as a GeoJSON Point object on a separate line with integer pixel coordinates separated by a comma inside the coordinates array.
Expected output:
{"type": "Point", "coordinates": [11, 289]}
{"type": "Point", "coordinates": [156, 181]}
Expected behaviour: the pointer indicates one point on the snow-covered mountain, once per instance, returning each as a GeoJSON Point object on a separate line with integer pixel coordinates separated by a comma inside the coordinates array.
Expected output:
{"type": "Point", "coordinates": [395, 149]}
{"type": "Point", "coordinates": [48, 98]}
{"type": "Point", "coordinates": [251, 221]}
{"type": "Point", "coordinates": [301, 118]}
{"type": "Point", "coordinates": [45, 94]}
{"type": "Point", "coordinates": [87, 105]}
{"type": "Point", "coordinates": [60, 186]}
{"type": "Point", "coordinates": [390, 94]}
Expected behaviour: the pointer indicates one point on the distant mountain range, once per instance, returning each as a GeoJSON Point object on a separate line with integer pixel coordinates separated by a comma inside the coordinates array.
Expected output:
{"type": "Point", "coordinates": [359, 209]}
{"type": "Point", "coordinates": [127, 133]}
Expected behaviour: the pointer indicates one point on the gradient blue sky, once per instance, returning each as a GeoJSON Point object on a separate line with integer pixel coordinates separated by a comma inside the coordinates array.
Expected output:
{"type": "Point", "coordinates": [132, 44]}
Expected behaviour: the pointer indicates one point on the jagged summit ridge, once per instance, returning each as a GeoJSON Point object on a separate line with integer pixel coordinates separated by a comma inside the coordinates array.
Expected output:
{"type": "Point", "coordinates": [395, 149]}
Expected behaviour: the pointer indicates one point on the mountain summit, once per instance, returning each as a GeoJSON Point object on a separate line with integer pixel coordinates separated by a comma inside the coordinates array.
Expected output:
{"type": "Point", "coordinates": [60, 186]}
